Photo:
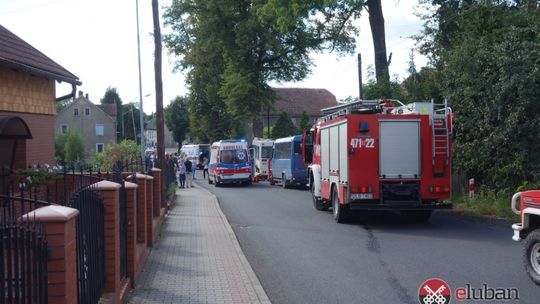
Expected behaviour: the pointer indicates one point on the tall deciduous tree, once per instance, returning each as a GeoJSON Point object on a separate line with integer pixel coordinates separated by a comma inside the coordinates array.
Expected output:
{"type": "Point", "coordinates": [177, 118]}
{"type": "Point", "coordinates": [484, 52]}
{"type": "Point", "coordinates": [376, 21]}
{"type": "Point", "coordinates": [132, 125]}
{"type": "Point", "coordinates": [74, 147]}
{"type": "Point", "coordinates": [305, 121]}
{"type": "Point", "coordinates": [284, 126]}
{"type": "Point", "coordinates": [333, 19]}
{"type": "Point", "coordinates": [231, 49]}
{"type": "Point", "coordinates": [112, 97]}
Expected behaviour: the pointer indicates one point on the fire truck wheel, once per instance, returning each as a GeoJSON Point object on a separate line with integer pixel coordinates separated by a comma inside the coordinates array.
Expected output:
{"type": "Point", "coordinates": [417, 216]}
{"type": "Point", "coordinates": [318, 203]}
{"type": "Point", "coordinates": [531, 257]}
{"type": "Point", "coordinates": [340, 211]}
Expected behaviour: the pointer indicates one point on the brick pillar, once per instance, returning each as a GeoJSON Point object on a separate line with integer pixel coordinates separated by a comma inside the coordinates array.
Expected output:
{"type": "Point", "coordinates": [110, 192]}
{"type": "Point", "coordinates": [141, 207]}
{"type": "Point", "coordinates": [149, 210]}
{"type": "Point", "coordinates": [59, 225]}
{"type": "Point", "coordinates": [157, 191]}
{"type": "Point", "coordinates": [131, 201]}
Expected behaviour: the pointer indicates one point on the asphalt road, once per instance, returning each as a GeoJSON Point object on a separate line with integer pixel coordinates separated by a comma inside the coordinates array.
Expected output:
{"type": "Point", "coordinates": [302, 256]}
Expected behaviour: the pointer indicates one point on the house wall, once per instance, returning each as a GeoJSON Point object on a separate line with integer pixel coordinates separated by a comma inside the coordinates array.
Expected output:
{"type": "Point", "coordinates": [24, 92]}
{"type": "Point", "coordinates": [86, 124]}
{"type": "Point", "coordinates": [33, 99]}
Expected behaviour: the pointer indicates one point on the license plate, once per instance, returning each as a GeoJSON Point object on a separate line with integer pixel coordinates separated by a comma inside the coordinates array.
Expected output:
{"type": "Point", "coordinates": [356, 196]}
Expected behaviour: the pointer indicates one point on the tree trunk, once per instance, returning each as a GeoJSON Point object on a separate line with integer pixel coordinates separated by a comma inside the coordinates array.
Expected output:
{"type": "Point", "coordinates": [159, 96]}
{"type": "Point", "coordinates": [376, 21]}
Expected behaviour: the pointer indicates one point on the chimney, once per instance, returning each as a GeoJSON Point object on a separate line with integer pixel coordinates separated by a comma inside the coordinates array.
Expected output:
{"type": "Point", "coordinates": [86, 95]}
{"type": "Point", "coordinates": [80, 93]}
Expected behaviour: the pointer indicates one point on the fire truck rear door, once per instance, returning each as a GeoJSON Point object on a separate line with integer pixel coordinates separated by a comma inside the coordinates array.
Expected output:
{"type": "Point", "coordinates": [399, 148]}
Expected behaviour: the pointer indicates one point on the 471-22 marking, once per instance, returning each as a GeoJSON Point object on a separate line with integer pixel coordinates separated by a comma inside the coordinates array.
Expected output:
{"type": "Point", "coordinates": [368, 143]}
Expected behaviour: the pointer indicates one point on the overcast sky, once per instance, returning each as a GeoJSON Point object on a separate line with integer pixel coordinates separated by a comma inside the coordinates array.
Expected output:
{"type": "Point", "coordinates": [97, 41]}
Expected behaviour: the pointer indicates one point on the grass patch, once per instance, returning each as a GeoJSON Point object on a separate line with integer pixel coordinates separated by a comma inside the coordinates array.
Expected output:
{"type": "Point", "coordinates": [487, 204]}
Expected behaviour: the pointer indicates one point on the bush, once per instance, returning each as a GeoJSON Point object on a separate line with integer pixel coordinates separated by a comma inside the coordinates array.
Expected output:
{"type": "Point", "coordinates": [488, 202]}
{"type": "Point", "coordinates": [125, 151]}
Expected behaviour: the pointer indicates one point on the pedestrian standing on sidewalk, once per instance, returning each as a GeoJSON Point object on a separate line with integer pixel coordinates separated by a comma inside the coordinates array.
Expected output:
{"type": "Point", "coordinates": [189, 176]}
{"type": "Point", "coordinates": [182, 173]}
{"type": "Point", "coordinates": [205, 168]}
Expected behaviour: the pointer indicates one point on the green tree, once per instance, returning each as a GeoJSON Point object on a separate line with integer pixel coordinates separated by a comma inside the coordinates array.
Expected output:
{"type": "Point", "coordinates": [383, 88]}
{"type": "Point", "coordinates": [74, 147]}
{"type": "Point", "coordinates": [332, 20]}
{"type": "Point", "coordinates": [231, 49]}
{"type": "Point", "coordinates": [483, 51]}
{"type": "Point", "coordinates": [126, 151]}
{"type": "Point", "coordinates": [61, 104]}
{"type": "Point", "coordinates": [132, 123]}
{"type": "Point", "coordinates": [305, 121]}
{"type": "Point", "coordinates": [284, 126]}
{"type": "Point", "coordinates": [177, 118]}
{"type": "Point", "coordinates": [60, 147]}
{"type": "Point", "coordinates": [112, 97]}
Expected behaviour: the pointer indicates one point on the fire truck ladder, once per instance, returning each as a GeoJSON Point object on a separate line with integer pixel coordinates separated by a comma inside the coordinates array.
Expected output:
{"type": "Point", "coordinates": [441, 141]}
{"type": "Point", "coordinates": [360, 106]}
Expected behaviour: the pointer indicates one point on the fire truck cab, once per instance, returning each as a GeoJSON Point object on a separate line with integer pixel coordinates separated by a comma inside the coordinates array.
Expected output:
{"type": "Point", "coordinates": [529, 230]}
{"type": "Point", "coordinates": [380, 154]}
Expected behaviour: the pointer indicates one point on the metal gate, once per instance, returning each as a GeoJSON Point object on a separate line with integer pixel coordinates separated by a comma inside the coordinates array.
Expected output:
{"type": "Point", "coordinates": [117, 178]}
{"type": "Point", "coordinates": [23, 253]}
{"type": "Point", "coordinates": [90, 245]}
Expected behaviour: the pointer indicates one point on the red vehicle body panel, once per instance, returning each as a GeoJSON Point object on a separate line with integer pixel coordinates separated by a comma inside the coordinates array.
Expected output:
{"type": "Point", "coordinates": [364, 163]}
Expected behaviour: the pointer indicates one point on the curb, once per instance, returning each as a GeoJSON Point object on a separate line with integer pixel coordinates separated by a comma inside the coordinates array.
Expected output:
{"type": "Point", "coordinates": [259, 290]}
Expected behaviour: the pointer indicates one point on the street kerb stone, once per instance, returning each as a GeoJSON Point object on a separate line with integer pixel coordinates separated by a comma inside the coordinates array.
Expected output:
{"type": "Point", "coordinates": [198, 258]}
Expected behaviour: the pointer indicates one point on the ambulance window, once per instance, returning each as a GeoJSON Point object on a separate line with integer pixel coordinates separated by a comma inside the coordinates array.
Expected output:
{"type": "Point", "coordinates": [256, 152]}
{"type": "Point", "coordinates": [266, 152]}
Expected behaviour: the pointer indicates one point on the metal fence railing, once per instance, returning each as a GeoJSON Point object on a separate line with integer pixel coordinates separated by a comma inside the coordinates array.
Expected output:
{"type": "Point", "coordinates": [23, 250]}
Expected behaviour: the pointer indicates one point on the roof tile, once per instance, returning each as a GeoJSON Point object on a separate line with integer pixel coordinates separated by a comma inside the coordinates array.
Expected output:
{"type": "Point", "coordinates": [18, 53]}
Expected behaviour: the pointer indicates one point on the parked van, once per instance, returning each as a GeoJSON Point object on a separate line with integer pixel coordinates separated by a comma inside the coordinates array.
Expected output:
{"type": "Point", "coordinates": [262, 153]}
{"type": "Point", "coordinates": [196, 153]}
{"type": "Point", "coordinates": [286, 166]}
{"type": "Point", "coordinates": [229, 162]}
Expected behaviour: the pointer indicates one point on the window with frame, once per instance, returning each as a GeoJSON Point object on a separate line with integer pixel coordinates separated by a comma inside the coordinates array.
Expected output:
{"type": "Point", "coordinates": [297, 149]}
{"type": "Point", "coordinates": [64, 129]}
{"type": "Point", "coordinates": [100, 147]}
{"type": "Point", "coordinates": [282, 150]}
{"type": "Point", "coordinates": [76, 112]}
{"type": "Point", "coordinates": [100, 129]}
{"type": "Point", "coordinates": [87, 111]}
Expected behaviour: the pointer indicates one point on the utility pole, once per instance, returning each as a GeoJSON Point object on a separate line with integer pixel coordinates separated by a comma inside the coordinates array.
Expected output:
{"type": "Point", "coordinates": [159, 96]}
{"type": "Point", "coordinates": [141, 118]}
{"type": "Point", "coordinates": [360, 95]}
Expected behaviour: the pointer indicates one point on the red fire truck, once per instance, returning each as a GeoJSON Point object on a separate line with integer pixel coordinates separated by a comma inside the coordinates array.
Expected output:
{"type": "Point", "coordinates": [380, 154]}
{"type": "Point", "coordinates": [528, 230]}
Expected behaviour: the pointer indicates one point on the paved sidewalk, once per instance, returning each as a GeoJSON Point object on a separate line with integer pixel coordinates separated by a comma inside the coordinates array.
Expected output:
{"type": "Point", "coordinates": [197, 258]}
